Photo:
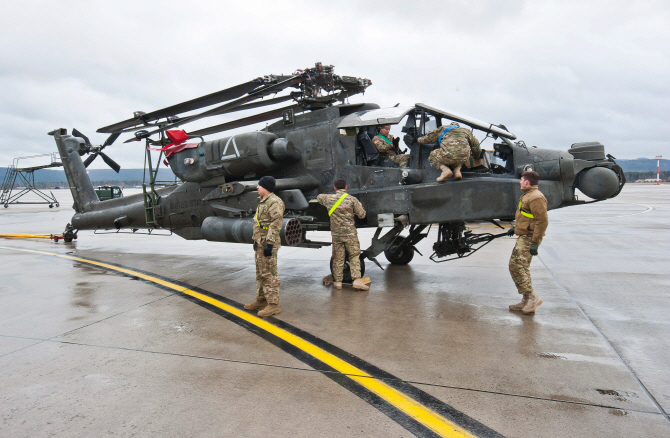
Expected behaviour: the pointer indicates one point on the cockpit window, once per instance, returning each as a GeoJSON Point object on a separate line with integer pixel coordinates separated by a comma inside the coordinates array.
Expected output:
{"type": "Point", "coordinates": [431, 123]}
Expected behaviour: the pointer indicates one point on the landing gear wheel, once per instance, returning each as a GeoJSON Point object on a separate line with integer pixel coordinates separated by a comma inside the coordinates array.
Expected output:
{"type": "Point", "coordinates": [6, 205]}
{"type": "Point", "coordinates": [346, 272]}
{"type": "Point", "coordinates": [69, 234]}
{"type": "Point", "coordinates": [57, 205]}
{"type": "Point", "coordinates": [402, 257]}
{"type": "Point", "coordinates": [51, 206]}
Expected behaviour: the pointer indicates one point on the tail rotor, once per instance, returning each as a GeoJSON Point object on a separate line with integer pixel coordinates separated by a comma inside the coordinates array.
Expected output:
{"type": "Point", "coordinates": [97, 150]}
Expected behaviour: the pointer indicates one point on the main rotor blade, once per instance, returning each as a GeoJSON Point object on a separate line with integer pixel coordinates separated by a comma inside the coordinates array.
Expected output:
{"type": "Point", "coordinates": [259, 104]}
{"type": "Point", "coordinates": [291, 81]}
{"type": "Point", "coordinates": [200, 102]}
{"type": "Point", "coordinates": [111, 163]}
{"type": "Point", "coordinates": [80, 135]}
{"type": "Point", "coordinates": [257, 118]}
{"type": "Point", "coordinates": [111, 139]}
{"type": "Point", "coordinates": [89, 159]}
{"type": "Point", "coordinates": [248, 106]}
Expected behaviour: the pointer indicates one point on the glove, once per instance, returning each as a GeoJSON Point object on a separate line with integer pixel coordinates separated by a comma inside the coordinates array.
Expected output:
{"type": "Point", "coordinates": [510, 232]}
{"type": "Point", "coordinates": [396, 141]}
{"type": "Point", "coordinates": [267, 251]}
{"type": "Point", "coordinates": [533, 248]}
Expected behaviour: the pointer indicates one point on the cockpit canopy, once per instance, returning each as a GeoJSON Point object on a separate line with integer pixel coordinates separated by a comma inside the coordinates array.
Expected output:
{"type": "Point", "coordinates": [422, 112]}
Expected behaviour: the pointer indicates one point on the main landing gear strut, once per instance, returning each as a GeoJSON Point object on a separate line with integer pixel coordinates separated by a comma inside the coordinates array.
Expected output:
{"type": "Point", "coordinates": [452, 240]}
{"type": "Point", "coordinates": [399, 250]}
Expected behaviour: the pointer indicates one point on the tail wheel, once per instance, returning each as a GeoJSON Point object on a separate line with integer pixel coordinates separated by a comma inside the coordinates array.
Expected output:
{"type": "Point", "coordinates": [402, 257]}
{"type": "Point", "coordinates": [346, 272]}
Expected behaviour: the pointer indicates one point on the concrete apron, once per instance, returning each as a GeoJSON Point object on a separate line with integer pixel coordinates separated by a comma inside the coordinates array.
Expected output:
{"type": "Point", "coordinates": [84, 349]}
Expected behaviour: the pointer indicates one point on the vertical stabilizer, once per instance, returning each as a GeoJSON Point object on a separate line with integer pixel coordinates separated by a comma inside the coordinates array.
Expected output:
{"type": "Point", "coordinates": [82, 190]}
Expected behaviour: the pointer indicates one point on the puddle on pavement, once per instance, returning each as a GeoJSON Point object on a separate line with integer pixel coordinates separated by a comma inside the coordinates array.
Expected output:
{"type": "Point", "coordinates": [551, 356]}
{"type": "Point", "coordinates": [623, 396]}
{"type": "Point", "coordinates": [618, 412]}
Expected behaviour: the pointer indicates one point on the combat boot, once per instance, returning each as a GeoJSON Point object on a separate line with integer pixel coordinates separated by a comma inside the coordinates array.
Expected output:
{"type": "Point", "coordinates": [533, 302]}
{"type": "Point", "coordinates": [271, 309]}
{"type": "Point", "coordinates": [358, 284]}
{"type": "Point", "coordinates": [519, 307]}
{"type": "Point", "coordinates": [446, 173]}
{"type": "Point", "coordinates": [457, 172]}
{"type": "Point", "coordinates": [258, 304]}
{"type": "Point", "coordinates": [337, 284]}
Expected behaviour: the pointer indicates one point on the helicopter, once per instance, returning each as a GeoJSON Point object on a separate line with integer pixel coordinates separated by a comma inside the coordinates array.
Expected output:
{"type": "Point", "coordinates": [315, 140]}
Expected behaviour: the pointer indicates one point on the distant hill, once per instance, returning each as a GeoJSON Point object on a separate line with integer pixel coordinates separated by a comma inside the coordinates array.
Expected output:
{"type": "Point", "coordinates": [128, 175]}
{"type": "Point", "coordinates": [642, 165]}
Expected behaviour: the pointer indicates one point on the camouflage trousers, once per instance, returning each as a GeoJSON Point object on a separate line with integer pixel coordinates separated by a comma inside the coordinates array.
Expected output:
{"type": "Point", "coordinates": [267, 278]}
{"type": "Point", "coordinates": [401, 160]}
{"type": "Point", "coordinates": [353, 247]}
{"type": "Point", "coordinates": [441, 156]}
{"type": "Point", "coordinates": [519, 264]}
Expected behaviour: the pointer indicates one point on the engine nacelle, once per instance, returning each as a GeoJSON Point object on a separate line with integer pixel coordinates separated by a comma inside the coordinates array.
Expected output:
{"type": "Point", "coordinates": [240, 156]}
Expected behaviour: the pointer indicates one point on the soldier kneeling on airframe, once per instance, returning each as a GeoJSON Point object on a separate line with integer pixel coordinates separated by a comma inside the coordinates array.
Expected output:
{"type": "Point", "coordinates": [454, 147]}
{"type": "Point", "coordinates": [341, 209]}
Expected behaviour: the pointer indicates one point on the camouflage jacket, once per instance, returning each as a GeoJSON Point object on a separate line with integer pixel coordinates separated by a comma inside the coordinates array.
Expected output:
{"type": "Point", "coordinates": [268, 221]}
{"type": "Point", "coordinates": [342, 219]}
{"type": "Point", "coordinates": [534, 203]}
{"type": "Point", "coordinates": [384, 147]}
{"type": "Point", "coordinates": [458, 142]}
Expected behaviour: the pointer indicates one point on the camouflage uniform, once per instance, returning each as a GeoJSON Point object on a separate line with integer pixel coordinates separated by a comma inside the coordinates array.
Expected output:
{"type": "Point", "coordinates": [270, 214]}
{"type": "Point", "coordinates": [455, 146]}
{"type": "Point", "coordinates": [529, 230]}
{"type": "Point", "coordinates": [385, 147]}
{"type": "Point", "coordinates": [343, 230]}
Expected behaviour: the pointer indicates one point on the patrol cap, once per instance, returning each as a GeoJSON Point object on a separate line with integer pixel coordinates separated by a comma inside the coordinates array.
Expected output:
{"type": "Point", "coordinates": [268, 183]}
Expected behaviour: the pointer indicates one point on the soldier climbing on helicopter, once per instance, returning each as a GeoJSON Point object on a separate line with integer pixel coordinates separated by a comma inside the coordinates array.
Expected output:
{"type": "Point", "coordinates": [455, 145]}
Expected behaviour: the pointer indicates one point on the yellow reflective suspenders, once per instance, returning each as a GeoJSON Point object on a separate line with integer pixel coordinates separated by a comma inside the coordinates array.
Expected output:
{"type": "Point", "coordinates": [524, 213]}
{"type": "Point", "coordinates": [259, 224]}
{"type": "Point", "coordinates": [339, 201]}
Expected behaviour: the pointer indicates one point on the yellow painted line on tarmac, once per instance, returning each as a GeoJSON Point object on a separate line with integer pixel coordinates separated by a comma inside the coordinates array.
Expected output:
{"type": "Point", "coordinates": [409, 406]}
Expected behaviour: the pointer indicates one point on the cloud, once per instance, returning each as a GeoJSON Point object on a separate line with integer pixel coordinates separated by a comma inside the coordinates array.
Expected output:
{"type": "Point", "coordinates": [554, 73]}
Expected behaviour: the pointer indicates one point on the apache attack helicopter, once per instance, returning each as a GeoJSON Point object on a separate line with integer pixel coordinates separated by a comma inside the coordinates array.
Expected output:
{"type": "Point", "coordinates": [318, 139]}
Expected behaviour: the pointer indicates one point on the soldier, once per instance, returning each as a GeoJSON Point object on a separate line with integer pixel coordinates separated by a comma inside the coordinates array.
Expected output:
{"type": "Point", "coordinates": [531, 223]}
{"type": "Point", "coordinates": [341, 209]}
{"type": "Point", "coordinates": [455, 145]}
{"type": "Point", "coordinates": [267, 225]}
{"type": "Point", "coordinates": [387, 145]}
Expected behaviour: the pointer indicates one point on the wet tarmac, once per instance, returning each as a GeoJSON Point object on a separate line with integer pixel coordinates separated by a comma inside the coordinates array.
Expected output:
{"type": "Point", "coordinates": [87, 351]}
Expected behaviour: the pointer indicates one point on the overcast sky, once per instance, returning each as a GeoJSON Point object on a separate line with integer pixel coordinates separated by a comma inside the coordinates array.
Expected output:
{"type": "Point", "coordinates": [555, 73]}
